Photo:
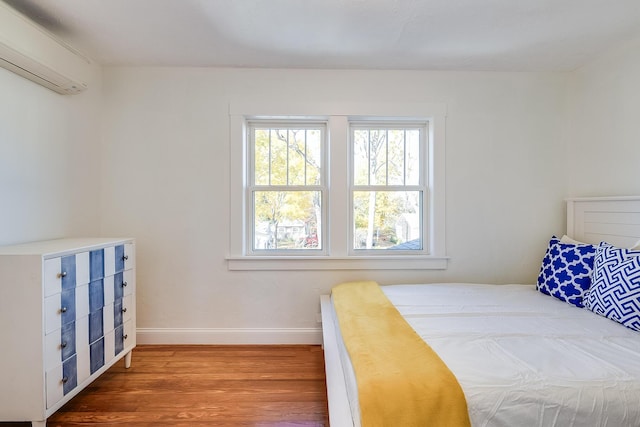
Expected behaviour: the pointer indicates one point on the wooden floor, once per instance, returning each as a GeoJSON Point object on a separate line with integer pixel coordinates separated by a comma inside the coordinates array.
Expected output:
{"type": "Point", "coordinates": [262, 386]}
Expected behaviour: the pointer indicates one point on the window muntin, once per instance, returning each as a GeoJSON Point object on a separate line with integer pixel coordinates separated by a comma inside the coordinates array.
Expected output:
{"type": "Point", "coordinates": [286, 186]}
{"type": "Point", "coordinates": [388, 187]}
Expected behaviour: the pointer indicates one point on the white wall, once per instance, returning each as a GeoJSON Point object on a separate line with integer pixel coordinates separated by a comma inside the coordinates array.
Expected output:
{"type": "Point", "coordinates": [604, 143]}
{"type": "Point", "coordinates": [165, 181]}
{"type": "Point", "coordinates": [49, 169]}
{"type": "Point", "coordinates": [148, 157]}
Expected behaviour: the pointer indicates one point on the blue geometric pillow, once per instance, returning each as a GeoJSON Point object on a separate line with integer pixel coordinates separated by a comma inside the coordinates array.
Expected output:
{"type": "Point", "coordinates": [615, 292]}
{"type": "Point", "coordinates": [566, 271]}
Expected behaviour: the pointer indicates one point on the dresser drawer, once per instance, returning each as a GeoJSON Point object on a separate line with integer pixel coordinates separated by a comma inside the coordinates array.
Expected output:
{"type": "Point", "coordinates": [84, 363]}
{"type": "Point", "coordinates": [129, 282]}
{"type": "Point", "coordinates": [109, 314]}
{"type": "Point", "coordinates": [96, 355]}
{"type": "Point", "coordinates": [109, 346]}
{"type": "Point", "coordinates": [53, 349]}
{"type": "Point", "coordinates": [59, 309]}
{"type": "Point", "coordinates": [129, 256]}
{"type": "Point", "coordinates": [52, 313]}
{"type": "Point", "coordinates": [118, 258]}
{"type": "Point", "coordinates": [110, 261]}
{"type": "Point", "coordinates": [60, 380]}
{"type": "Point", "coordinates": [124, 337]}
{"type": "Point", "coordinates": [127, 308]}
{"type": "Point", "coordinates": [123, 310]}
{"type": "Point", "coordinates": [65, 307]}
{"type": "Point", "coordinates": [53, 380]}
{"type": "Point", "coordinates": [129, 334]}
{"type": "Point", "coordinates": [129, 337]}
{"type": "Point", "coordinates": [52, 276]}
{"type": "Point", "coordinates": [82, 268]}
{"type": "Point", "coordinates": [65, 272]}
{"type": "Point", "coordinates": [57, 344]}
{"type": "Point", "coordinates": [68, 340]}
{"type": "Point", "coordinates": [82, 300]}
{"type": "Point", "coordinates": [109, 287]}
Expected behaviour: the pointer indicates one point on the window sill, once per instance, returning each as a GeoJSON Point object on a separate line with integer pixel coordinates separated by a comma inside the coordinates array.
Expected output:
{"type": "Point", "coordinates": [260, 263]}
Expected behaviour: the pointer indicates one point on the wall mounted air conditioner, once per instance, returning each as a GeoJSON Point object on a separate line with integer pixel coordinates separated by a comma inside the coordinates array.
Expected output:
{"type": "Point", "coordinates": [30, 51]}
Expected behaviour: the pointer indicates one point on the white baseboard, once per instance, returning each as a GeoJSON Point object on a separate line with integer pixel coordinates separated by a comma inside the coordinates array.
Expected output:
{"type": "Point", "coordinates": [229, 335]}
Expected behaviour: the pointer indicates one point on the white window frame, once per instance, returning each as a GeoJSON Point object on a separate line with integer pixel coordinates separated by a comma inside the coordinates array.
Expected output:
{"type": "Point", "coordinates": [251, 186]}
{"type": "Point", "coordinates": [422, 186]}
{"type": "Point", "coordinates": [338, 220]}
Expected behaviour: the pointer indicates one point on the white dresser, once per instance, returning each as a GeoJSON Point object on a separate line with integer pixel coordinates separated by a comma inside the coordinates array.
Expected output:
{"type": "Point", "coordinates": [67, 314]}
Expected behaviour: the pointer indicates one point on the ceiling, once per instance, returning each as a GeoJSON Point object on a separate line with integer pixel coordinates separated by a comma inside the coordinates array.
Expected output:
{"type": "Point", "coordinates": [496, 35]}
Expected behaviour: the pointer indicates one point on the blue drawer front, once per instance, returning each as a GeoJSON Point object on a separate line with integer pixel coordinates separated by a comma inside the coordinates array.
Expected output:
{"type": "Point", "coordinates": [96, 264]}
{"type": "Point", "coordinates": [117, 313]}
{"type": "Point", "coordinates": [69, 375]}
{"type": "Point", "coordinates": [119, 258]}
{"type": "Point", "coordinates": [96, 355]}
{"type": "Point", "coordinates": [69, 272]}
{"type": "Point", "coordinates": [119, 336]}
{"type": "Point", "coordinates": [68, 340]}
{"type": "Point", "coordinates": [96, 321]}
{"type": "Point", "coordinates": [118, 289]}
{"type": "Point", "coordinates": [68, 305]}
{"type": "Point", "coordinates": [96, 295]}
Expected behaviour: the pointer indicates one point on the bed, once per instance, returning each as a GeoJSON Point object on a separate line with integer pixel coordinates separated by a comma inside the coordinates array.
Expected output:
{"type": "Point", "coordinates": [523, 355]}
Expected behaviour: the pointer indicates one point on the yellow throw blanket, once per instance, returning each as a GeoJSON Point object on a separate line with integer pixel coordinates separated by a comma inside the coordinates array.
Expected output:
{"type": "Point", "coordinates": [401, 381]}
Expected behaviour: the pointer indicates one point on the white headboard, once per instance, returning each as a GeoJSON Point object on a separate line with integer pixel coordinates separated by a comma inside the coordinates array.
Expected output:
{"type": "Point", "coordinates": [615, 220]}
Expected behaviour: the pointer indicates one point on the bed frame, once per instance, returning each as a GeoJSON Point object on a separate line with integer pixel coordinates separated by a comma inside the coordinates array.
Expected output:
{"type": "Point", "coordinates": [612, 219]}
{"type": "Point", "coordinates": [589, 219]}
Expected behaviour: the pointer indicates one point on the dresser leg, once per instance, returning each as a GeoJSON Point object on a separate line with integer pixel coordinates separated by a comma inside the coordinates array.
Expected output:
{"type": "Point", "coordinates": [39, 423]}
{"type": "Point", "coordinates": [127, 360]}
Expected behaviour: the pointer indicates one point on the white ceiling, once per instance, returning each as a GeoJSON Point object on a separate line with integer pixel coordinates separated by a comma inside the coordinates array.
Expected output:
{"type": "Point", "coordinates": [497, 35]}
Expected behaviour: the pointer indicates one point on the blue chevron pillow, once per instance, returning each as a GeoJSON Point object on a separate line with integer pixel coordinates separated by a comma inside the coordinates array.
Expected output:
{"type": "Point", "coordinates": [615, 292]}
{"type": "Point", "coordinates": [566, 271]}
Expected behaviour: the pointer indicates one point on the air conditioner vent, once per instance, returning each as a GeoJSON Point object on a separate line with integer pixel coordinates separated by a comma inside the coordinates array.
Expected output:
{"type": "Point", "coordinates": [31, 52]}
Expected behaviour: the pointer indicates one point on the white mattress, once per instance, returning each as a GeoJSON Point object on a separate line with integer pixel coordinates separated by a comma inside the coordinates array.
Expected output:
{"type": "Point", "coordinates": [523, 358]}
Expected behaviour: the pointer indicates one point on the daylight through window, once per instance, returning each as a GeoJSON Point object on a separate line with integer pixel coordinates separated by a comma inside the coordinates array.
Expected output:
{"type": "Point", "coordinates": [388, 186]}
{"type": "Point", "coordinates": [337, 186]}
{"type": "Point", "coordinates": [287, 186]}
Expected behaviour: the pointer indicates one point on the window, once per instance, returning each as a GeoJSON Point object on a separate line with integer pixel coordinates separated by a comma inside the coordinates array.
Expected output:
{"type": "Point", "coordinates": [388, 186]}
{"type": "Point", "coordinates": [337, 187]}
{"type": "Point", "coordinates": [286, 186]}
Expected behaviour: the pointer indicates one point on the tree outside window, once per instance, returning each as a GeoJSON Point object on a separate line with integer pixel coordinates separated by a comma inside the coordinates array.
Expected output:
{"type": "Point", "coordinates": [287, 186]}
{"type": "Point", "coordinates": [388, 186]}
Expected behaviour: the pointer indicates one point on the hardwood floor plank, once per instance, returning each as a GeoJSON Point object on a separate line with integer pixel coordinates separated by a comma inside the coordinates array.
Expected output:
{"type": "Point", "coordinates": [197, 385]}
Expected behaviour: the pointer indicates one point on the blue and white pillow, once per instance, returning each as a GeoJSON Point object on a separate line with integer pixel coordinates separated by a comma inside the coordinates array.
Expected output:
{"type": "Point", "coordinates": [566, 271]}
{"type": "Point", "coordinates": [615, 291]}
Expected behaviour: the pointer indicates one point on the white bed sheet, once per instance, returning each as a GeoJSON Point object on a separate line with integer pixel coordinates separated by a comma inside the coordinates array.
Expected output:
{"type": "Point", "coordinates": [523, 358]}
